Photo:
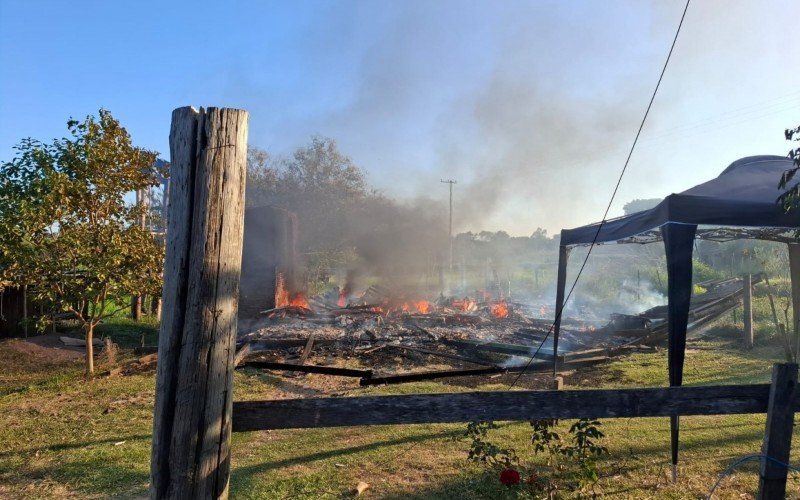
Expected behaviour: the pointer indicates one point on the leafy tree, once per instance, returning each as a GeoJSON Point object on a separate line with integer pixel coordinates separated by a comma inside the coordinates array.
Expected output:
{"type": "Point", "coordinates": [638, 205]}
{"type": "Point", "coordinates": [66, 229]}
{"type": "Point", "coordinates": [319, 183]}
{"type": "Point", "coordinates": [262, 178]}
{"type": "Point", "coordinates": [791, 197]}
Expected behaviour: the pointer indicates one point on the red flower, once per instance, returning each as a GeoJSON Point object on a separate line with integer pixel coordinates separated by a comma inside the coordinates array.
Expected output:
{"type": "Point", "coordinates": [509, 477]}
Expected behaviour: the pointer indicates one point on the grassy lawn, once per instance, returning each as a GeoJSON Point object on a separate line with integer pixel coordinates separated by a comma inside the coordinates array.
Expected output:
{"type": "Point", "coordinates": [61, 436]}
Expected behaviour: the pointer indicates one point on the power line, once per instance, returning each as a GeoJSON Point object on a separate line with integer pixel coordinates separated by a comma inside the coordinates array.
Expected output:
{"type": "Point", "coordinates": [613, 195]}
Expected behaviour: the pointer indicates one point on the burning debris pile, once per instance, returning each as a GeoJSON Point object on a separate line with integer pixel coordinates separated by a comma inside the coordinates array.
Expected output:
{"type": "Point", "coordinates": [380, 302]}
{"type": "Point", "coordinates": [478, 334]}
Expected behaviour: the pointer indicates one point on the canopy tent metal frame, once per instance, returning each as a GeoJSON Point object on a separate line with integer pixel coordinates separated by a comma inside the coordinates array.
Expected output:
{"type": "Point", "coordinates": [739, 204]}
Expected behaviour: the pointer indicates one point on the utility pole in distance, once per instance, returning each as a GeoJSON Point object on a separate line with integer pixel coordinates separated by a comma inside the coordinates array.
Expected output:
{"type": "Point", "coordinates": [450, 233]}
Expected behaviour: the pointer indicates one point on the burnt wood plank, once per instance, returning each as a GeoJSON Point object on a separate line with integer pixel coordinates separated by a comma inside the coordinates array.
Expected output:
{"type": "Point", "coordinates": [325, 370]}
{"type": "Point", "coordinates": [414, 377]}
{"type": "Point", "coordinates": [500, 405]}
{"type": "Point", "coordinates": [442, 354]}
{"type": "Point", "coordinates": [515, 349]}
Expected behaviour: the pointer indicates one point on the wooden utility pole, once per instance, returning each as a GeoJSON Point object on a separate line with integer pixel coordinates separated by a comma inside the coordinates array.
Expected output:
{"type": "Point", "coordinates": [747, 315]}
{"type": "Point", "coordinates": [192, 419]}
{"type": "Point", "coordinates": [450, 231]}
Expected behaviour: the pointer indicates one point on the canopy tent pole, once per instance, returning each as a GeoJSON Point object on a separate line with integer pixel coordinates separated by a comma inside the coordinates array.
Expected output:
{"type": "Point", "coordinates": [794, 272]}
{"type": "Point", "coordinates": [678, 245]}
{"type": "Point", "coordinates": [561, 283]}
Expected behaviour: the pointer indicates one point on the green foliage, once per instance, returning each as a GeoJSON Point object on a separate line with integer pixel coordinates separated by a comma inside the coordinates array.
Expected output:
{"type": "Point", "coordinates": [66, 230]}
{"type": "Point", "coordinates": [569, 464]}
{"type": "Point", "coordinates": [482, 450]}
{"type": "Point", "coordinates": [703, 272]}
{"type": "Point", "coordinates": [790, 199]}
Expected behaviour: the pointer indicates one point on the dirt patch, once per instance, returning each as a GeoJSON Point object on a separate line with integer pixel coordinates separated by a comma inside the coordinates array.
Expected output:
{"type": "Point", "coordinates": [47, 348]}
{"type": "Point", "coordinates": [26, 362]}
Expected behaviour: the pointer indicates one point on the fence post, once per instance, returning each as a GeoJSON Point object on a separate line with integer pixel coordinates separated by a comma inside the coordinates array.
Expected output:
{"type": "Point", "coordinates": [747, 314]}
{"type": "Point", "coordinates": [192, 417]}
{"type": "Point", "coordinates": [778, 434]}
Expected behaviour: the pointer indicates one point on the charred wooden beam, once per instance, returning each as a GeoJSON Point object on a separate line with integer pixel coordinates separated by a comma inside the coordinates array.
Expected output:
{"type": "Point", "coordinates": [324, 370]}
{"type": "Point", "coordinates": [499, 406]}
{"type": "Point", "coordinates": [284, 310]}
{"type": "Point", "coordinates": [307, 350]}
{"type": "Point", "coordinates": [441, 354]}
{"type": "Point", "coordinates": [416, 377]}
{"type": "Point", "coordinates": [242, 353]}
{"type": "Point", "coordinates": [269, 344]}
{"type": "Point", "coordinates": [515, 349]}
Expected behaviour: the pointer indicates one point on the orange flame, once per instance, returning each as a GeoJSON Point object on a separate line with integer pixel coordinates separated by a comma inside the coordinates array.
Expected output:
{"type": "Point", "coordinates": [281, 298]}
{"type": "Point", "coordinates": [299, 301]}
{"type": "Point", "coordinates": [423, 306]}
{"type": "Point", "coordinates": [499, 310]}
{"type": "Point", "coordinates": [342, 302]}
{"type": "Point", "coordinates": [281, 293]}
{"type": "Point", "coordinates": [404, 308]}
{"type": "Point", "coordinates": [465, 305]}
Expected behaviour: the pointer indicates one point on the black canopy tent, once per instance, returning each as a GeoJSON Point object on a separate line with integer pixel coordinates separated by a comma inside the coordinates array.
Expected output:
{"type": "Point", "coordinates": [739, 203]}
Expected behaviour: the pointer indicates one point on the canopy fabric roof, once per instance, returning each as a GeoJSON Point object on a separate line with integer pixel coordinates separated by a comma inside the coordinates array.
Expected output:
{"type": "Point", "coordinates": [743, 195]}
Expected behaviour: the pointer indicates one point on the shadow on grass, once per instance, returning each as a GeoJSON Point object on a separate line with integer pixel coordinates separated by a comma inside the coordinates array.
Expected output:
{"type": "Point", "coordinates": [281, 383]}
{"type": "Point", "coordinates": [244, 478]}
{"type": "Point", "coordinates": [479, 486]}
{"type": "Point", "coordinates": [96, 475]}
{"type": "Point", "coordinates": [72, 446]}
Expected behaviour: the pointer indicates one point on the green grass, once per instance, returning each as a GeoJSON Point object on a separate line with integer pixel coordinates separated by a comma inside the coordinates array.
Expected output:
{"type": "Point", "coordinates": [61, 436]}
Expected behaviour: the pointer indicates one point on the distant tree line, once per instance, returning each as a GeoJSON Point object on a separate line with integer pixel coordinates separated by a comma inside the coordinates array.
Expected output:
{"type": "Point", "coordinates": [343, 222]}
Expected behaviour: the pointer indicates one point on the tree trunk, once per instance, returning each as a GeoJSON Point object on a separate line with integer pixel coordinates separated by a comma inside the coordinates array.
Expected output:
{"type": "Point", "coordinates": [89, 349]}
{"type": "Point", "coordinates": [25, 309]}
{"type": "Point", "coordinates": [155, 307]}
{"type": "Point", "coordinates": [194, 398]}
{"type": "Point", "coordinates": [136, 307]}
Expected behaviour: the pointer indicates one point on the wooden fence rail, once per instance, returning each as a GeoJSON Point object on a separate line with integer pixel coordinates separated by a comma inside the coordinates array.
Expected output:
{"type": "Point", "coordinates": [779, 400]}
{"type": "Point", "coordinates": [500, 405]}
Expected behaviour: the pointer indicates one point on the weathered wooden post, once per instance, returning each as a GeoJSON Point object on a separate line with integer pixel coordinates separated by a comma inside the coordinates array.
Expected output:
{"type": "Point", "coordinates": [747, 313]}
{"type": "Point", "coordinates": [778, 435]}
{"type": "Point", "coordinates": [192, 421]}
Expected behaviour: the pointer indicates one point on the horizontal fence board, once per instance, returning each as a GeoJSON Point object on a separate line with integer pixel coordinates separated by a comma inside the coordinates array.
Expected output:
{"type": "Point", "coordinates": [498, 405]}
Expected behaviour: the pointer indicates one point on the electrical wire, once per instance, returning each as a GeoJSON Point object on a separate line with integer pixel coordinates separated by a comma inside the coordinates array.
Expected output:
{"type": "Point", "coordinates": [611, 201]}
{"type": "Point", "coordinates": [747, 458]}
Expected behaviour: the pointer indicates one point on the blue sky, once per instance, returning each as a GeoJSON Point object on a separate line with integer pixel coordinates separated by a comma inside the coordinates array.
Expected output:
{"type": "Point", "coordinates": [531, 106]}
